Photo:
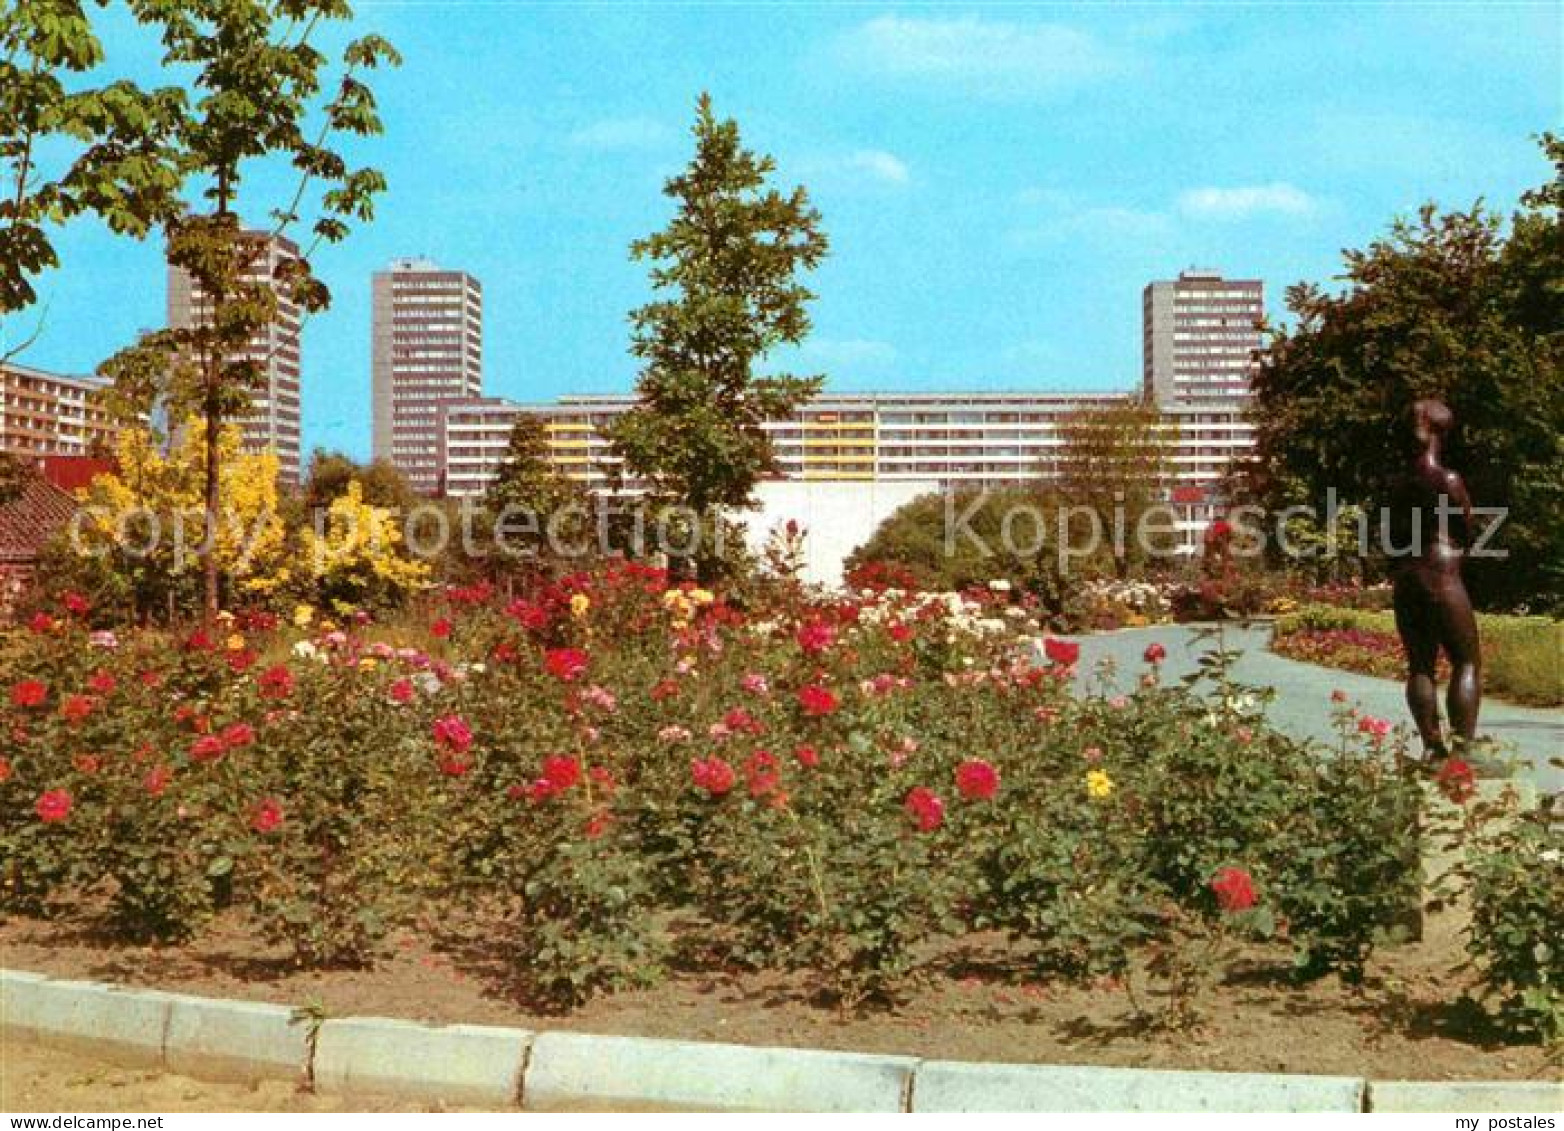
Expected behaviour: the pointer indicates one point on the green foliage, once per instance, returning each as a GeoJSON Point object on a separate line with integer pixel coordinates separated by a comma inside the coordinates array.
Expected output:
{"type": "Point", "coordinates": [725, 272]}
{"type": "Point", "coordinates": [1113, 463]}
{"type": "Point", "coordinates": [1516, 870]}
{"type": "Point", "coordinates": [955, 541]}
{"type": "Point", "coordinates": [260, 78]}
{"type": "Point", "coordinates": [1444, 305]}
{"type": "Point", "coordinates": [1520, 654]}
{"type": "Point", "coordinates": [534, 508]}
{"type": "Point", "coordinates": [67, 149]}
{"type": "Point", "coordinates": [329, 473]}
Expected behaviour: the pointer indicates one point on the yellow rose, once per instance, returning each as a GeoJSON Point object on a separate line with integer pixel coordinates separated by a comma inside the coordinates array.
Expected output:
{"type": "Point", "coordinates": [1098, 784]}
{"type": "Point", "coordinates": [580, 603]}
{"type": "Point", "coordinates": [368, 664]}
{"type": "Point", "coordinates": [235, 642]}
{"type": "Point", "coordinates": [702, 596]}
{"type": "Point", "coordinates": [302, 615]}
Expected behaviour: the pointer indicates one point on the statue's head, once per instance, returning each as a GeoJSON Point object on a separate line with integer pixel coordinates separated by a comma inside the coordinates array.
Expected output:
{"type": "Point", "coordinates": [1431, 420]}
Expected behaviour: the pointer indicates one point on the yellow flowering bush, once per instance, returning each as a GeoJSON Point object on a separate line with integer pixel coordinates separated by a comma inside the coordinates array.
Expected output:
{"type": "Point", "coordinates": [355, 555]}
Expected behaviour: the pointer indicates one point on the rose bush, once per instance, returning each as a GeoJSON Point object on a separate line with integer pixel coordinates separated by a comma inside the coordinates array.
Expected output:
{"type": "Point", "coordinates": [614, 777]}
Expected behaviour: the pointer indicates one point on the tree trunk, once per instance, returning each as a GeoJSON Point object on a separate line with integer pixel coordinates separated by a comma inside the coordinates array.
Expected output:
{"type": "Point", "coordinates": [214, 424]}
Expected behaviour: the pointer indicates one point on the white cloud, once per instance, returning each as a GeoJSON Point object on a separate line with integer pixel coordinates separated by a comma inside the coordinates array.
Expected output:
{"type": "Point", "coordinates": [879, 165]}
{"type": "Point", "coordinates": [1244, 201]}
{"type": "Point", "coordinates": [855, 170]}
{"type": "Point", "coordinates": [980, 55]}
{"type": "Point", "coordinates": [621, 134]}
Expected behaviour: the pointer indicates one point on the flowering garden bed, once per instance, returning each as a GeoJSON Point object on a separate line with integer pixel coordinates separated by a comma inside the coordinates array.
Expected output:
{"type": "Point", "coordinates": [1520, 654]}
{"type": "Point", "coordinates": [607, 791]}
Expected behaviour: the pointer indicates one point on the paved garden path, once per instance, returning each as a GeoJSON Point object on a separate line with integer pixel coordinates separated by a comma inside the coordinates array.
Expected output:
{"type": "Point", "coordinates": [1302, 703]}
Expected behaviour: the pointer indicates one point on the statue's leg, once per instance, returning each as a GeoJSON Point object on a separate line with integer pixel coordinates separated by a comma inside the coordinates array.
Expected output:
{"type": "Point", "coordinates": [1458, 635]}
{"type": "Point", "coordinates": [1416, 621]}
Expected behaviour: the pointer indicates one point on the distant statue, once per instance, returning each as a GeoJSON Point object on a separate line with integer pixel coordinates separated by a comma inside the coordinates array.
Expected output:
{"type": "Point", "coordinates": [1433, 512]}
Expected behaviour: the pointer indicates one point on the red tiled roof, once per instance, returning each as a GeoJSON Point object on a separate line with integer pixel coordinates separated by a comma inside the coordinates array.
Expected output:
{"type": "Point", "coordinates": [71, 473]}
{"type": "Point", "coordinates": [30, 520]}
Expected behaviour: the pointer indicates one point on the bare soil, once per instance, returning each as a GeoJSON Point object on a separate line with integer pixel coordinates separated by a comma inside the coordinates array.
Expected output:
{"type": "Point", "coordinates": [35, 1079]}
{"type": "Point", "coordinates": [1414, 1019]}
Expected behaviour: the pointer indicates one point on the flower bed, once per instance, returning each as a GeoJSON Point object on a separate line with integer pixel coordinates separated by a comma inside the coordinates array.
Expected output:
{"type": "Point", "coordinates": [613, 779]}
{"type": "Point", "coordinates": [1520, 654]}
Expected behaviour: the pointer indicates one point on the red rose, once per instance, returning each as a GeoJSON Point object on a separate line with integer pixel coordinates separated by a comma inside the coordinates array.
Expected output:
{"type": "Point", "coordinates": [41, 623]}
{"type": "Point", "coordinates": [1234, 889]}
{"type": "Point", "coordinates": [157, 780]}
{"type": "Point", "coordinates": [1155, 653]}
{"type": "Point", "coordinates": [977, 780]}
{"type": "Point", "coordinates": [665, 689]}
{"type": "Point", "coordinates": [55, 805]}
{"type": "Point", "coordinates": [597, 825]}
{"type": "Point", "coordinates": [28, 693]}
{"type": "Point", "coordinates": [441, 628]}
{"type": "Point", "coordinates": [266, 815]}
{"type": "Point", "coordinates": [103, 683]}
{"type": "Point", "coordinates": [87, 763]}
{"type": "Point", "coordinates": [816, 700]}
{"type": "Point", "coordinates": [925, 808]}
{"type": "Point", "coordinates": [529, 615]}
{"type": "Point", "coordinates": [560, 773]}
{"type": "Point", "coordinates": [713, 775]}
{"type": "Point", "coordinates": [565, 664]}
{"type": "Point", "coordinates": [5, 769]}
{"type": "Point", "coordinates": [901, 633]}
{"type": "Point", "coordinates": [742, 721]}
{"type": "Point", "coordinates": [76, 603]}
{"type": "Point", "coordinates": [604, 778]}
{"type": "Point", "coordinates": [815, 636]}
{"type": "Point", "coordinates": [198, 641]}
{"type": "Point", "coordinates": [402, 690]}
{"type": "Point", "coordinates": [236, 735]}
{"type": "Point", "coordinates": [1063, 652]}
{"type": "Point", "coordinates": [76, 708]}
{"type": "Point", "coordinates": [276, 682]}
{"type": "Point", "coordinates": [452, 733]}
{"type": "Point", "coordinates": [241, 661]}
{"type": "Point", "coordinates": [454, 764]}
{"type": "Point", "coordinates": [207, 748]}
{"type": "Point", "coordinates": [807, 756]}
{"type": "Point", "coordinates": [1456, 780]}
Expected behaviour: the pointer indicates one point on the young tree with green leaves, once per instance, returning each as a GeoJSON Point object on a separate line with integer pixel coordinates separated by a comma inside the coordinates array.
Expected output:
{"type": "Point", "coordinates": [104, 150]}
{"type": "Point", "coordinates": [528, 493]}
{"type": "Point", "coordinates": [725, 271]}
{"type": "Point", "coordinates": [1113, 461]}
{"type": "Point", "coordinates": [262, 99]}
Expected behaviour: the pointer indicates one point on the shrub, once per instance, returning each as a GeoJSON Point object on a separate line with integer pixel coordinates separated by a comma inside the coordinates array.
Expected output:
{"type": "Point", "coordinates": [1515, 867]}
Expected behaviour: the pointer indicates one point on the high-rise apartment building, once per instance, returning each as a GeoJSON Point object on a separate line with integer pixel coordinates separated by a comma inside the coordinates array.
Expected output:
{"type": "Point", "coordinates": [272, 421]}
{"type": "Point", "coordinates": [1201, 334]}
{"type": "Point", "coordinates": [50, 414]}
{"type": "Point", "coordinates": [427, 351]}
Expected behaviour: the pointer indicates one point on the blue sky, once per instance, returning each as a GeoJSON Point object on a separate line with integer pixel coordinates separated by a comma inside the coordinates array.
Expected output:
{"type": "Point", "coordinates": [998, 181]}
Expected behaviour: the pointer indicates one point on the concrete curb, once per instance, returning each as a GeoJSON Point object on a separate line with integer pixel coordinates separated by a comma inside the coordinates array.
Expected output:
{"type": "Point", "coordinates": [572, 1069]}
{"type": "Point", "coordinates": [501, 1067]}
{"type": "Point", "coordinates": [1470, 1097]}
{"type": "Point", "coordinates": [450, 1064]}
{"type": "Point", "coordinates": [949, 1086]}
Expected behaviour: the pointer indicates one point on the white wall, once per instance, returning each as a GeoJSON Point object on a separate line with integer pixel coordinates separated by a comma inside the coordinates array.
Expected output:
{"type": "Point", "coordinates": [837, 517]}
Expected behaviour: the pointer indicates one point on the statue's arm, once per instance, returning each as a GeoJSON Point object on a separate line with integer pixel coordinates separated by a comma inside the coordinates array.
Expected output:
{"type": "Point", "coordinates": [1455, 488]}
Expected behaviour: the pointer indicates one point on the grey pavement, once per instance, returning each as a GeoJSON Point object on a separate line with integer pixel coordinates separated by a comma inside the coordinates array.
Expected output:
{"type": "Point", "coordinates": [1302, 707]}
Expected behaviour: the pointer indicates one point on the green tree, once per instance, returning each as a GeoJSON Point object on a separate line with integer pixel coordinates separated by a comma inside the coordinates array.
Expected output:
{"type": "Point", "coordinates": [1446, 305]}
{"type": "Point", "coordinates": [103, 150]}
{"type": "Point", "coordinates": [1112, 461]}
{"type": "Point", "coordinates": [329, 474]}
{"type": "Point", "coordinates": [528, 493]}
{"type": "Point", "coordinates": [263, 100]}
{"type": "Point", "coordinates": [725, 270]}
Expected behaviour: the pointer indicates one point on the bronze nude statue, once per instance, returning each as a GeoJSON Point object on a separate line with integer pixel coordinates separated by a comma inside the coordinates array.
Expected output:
{"type": "Point", "coordinates": [1433, 612]}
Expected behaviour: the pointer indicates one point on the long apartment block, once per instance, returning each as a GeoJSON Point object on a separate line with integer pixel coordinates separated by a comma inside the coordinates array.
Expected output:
{"type": "Point", "coordinates": [50, 414]}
